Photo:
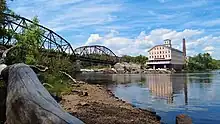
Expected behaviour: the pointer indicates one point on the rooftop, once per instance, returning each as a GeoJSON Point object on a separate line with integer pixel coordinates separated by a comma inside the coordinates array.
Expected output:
{"type": "Point", "coordinates": [173, 49]}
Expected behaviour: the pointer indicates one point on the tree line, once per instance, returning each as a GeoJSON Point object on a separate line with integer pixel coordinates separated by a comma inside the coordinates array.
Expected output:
{"type": "Point", "coordinates": [202, 62]}
{"type": "Point", "coordinates": [134, 59]}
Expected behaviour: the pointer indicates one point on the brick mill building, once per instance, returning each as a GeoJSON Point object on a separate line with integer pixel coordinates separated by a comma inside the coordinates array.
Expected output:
{"type": "Point", "coordinates": [164, 56]}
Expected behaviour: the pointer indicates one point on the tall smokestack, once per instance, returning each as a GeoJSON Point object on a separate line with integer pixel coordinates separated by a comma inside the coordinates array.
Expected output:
{"type": "Point", "coordinates": [184, 48]}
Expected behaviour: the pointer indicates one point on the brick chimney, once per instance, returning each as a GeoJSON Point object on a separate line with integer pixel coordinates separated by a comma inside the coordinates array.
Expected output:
{"type": "Point", "coordinates": [184, 48]}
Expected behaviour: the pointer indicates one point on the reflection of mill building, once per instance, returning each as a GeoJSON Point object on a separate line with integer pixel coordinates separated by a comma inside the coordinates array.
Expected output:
{"type": "Point", "coordinates": [165, 86]}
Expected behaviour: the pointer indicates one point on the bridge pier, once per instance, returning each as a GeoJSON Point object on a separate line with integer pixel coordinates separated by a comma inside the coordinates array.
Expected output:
{"type": "Point", "coordinates": [77, 65]}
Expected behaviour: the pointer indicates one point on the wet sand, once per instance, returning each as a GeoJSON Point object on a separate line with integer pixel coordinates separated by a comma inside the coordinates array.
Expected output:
{"type": "Point", "coordinates": [94, 104]}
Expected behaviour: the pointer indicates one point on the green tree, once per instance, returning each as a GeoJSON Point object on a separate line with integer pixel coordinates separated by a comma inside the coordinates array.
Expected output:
{"type": "Point", "coordinates": [136, 59]}
{"type": "Point", "coordinates": [202, 62]}
{"type": "Point", "coordinates": [30, 40]}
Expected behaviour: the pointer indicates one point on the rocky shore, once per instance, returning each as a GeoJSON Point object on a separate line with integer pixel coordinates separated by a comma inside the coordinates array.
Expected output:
{"type": "Point", "coordinates": [129, 68]}
{"type": "Point", "coordinates": [94, 104]}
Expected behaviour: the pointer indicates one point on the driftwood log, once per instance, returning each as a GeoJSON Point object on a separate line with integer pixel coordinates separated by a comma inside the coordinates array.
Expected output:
{"type": "Point", "coordinates": [28, 102]}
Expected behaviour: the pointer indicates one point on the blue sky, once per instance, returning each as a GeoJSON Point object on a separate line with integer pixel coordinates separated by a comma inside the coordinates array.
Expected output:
{"type": "Point", "coordinates": [130, 26]}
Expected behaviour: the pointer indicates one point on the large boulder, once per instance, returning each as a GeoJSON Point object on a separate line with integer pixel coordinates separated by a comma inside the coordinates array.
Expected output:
{"type": "Point", "coordinates": [125, 67]}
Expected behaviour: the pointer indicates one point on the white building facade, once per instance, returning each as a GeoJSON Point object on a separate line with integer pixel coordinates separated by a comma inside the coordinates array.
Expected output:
{"type": "Point", "coordinates": [164, 56]}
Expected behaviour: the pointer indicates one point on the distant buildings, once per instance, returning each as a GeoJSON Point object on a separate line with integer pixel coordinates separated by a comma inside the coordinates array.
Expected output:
{"type": "Point", "coordinates": [164, 56]}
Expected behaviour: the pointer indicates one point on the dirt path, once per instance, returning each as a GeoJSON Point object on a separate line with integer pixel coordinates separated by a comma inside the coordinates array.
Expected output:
{"type": "Point", "coordinates": [93, 104]}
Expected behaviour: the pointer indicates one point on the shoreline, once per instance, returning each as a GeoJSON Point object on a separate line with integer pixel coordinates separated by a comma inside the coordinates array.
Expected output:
{"type": "Point", "coordinates": [94, 103]}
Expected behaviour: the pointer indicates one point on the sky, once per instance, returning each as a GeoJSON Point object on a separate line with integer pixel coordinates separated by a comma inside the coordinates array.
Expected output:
{"type": "Point", "coordinates": [130, 27]}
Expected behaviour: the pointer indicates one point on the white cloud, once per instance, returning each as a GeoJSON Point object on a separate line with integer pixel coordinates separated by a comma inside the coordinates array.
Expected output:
{"type": "Point", "coordinates": [209, 48]}
{"type": "Point", "coordinates": [210, 52]}
{"type": "Point", "coordinates": [61, 15]}
{"type": "Point", "coordinates": [143, 42]}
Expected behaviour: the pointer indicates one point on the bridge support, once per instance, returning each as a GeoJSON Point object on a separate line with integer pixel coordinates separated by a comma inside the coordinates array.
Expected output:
{"type": "Point", "coordinates": [77, 65]}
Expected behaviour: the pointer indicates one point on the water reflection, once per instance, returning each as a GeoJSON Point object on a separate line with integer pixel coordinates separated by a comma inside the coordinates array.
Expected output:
{"type": "Point", "coordinates": [195, 94]}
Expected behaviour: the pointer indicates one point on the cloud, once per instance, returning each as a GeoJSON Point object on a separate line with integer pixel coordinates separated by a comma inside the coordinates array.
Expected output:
{"type": "Point", "coordinates": [126, 28]}
{"type": "Point", "coordinates": [65, 15]}
{"type": "Point", "coordinates": [143, 42]}
{"type": "Point", "coordinates": [209, 49]}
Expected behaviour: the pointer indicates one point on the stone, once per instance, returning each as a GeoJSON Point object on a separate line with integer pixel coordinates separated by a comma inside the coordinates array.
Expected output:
{"type": "Point", "coordinates": [158, 117]}
{"type": "Point", "coordinates": [183, 119]}
{"type": "Point", "coordinates": [83, 104]}
{"type": "Point", "coordinates": [85, 94]}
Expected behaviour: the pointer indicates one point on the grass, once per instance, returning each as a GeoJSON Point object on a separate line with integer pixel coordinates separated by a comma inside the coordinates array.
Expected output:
{"type": "Point", "coordinates": [60, 83]}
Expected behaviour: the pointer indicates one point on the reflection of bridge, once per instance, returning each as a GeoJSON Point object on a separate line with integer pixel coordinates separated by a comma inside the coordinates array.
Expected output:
{"type": "Point", "coordinates": [54, 42]}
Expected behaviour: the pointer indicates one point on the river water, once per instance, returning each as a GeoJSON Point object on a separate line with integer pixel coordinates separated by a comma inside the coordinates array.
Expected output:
{"type": "Point", "coordinates": [194, 94]}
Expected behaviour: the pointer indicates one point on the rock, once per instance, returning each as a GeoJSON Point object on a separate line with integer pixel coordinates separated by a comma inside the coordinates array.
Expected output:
{"type": "Point", "coordinates": [109, 71]}
{"type": "Point", "coordinates": [85, 94]}
{"type": "Point", "coordinates": [116, 98]}
{"type": "Point", "coordinates": [183, 119]}
{"type": "Point", "coordinates": [158, 117]}
{"type": "Point", "coordinates": [150, 110]}
{"type": "Point", "coordinates": [75, 85]}
{"type": "Point", "coordinates": [79, 92]}
{"type": "Point", "coordinates": [83, 104]}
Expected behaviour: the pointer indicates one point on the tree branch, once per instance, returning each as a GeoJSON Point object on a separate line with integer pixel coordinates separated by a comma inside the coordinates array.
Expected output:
{"type": "Point", "coordinates": [40, 68]}
{"type": "Point", "coordinates": [4, 55]}
{"type": "Point", "coordinates": [74, 80]}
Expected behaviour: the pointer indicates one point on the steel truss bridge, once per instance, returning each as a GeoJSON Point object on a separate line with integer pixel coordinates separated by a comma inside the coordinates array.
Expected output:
{"type": "Point", "coordinates": [51, 41]}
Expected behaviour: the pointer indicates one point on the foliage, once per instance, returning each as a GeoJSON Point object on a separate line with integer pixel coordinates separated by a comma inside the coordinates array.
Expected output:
{"type": "Point", "coordinates": [137, 59]}
{"type": "Point", "coordinates": [30, 40]}
{"type": "Point", "coordinates": [27, 51]}
{"type": "Point", "coordinates": [202, 62]}
{"type": "Point", "coordinates": [59, 82]}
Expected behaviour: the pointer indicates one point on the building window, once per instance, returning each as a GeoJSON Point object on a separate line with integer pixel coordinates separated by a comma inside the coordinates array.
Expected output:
{"type": "Point", "coordinates": [160, 52]}
{"type": "Point", "coordinates": [166, 56]}
{"type": "Point", "coordinates": [155, 57]}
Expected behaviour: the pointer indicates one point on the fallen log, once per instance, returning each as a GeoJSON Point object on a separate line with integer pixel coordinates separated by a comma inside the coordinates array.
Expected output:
{"type": "Point", "coordinates": [28, 102]}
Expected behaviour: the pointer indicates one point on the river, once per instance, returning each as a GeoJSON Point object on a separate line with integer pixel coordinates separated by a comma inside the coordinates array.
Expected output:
{"type": "Point", "coordinates": [194, 94]}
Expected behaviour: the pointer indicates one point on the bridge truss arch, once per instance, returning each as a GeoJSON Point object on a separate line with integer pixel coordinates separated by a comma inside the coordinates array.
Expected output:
{"type": "Point", "coordinates": [53, 42]}
{"type": "Point", "coordinates": [50, 39]}
{"type": "Point", "coordinates": [96, 54]}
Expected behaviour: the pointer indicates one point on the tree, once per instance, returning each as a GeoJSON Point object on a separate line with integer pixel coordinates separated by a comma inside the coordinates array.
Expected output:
{"type": "Point", "coordinates": [2, 9]}
{"type": "Point", "coordinates": [202, 62]}
{"type": "Point", "coordinates": [137, 59]}
{"type": "Point", "coordinates": [28, 44]}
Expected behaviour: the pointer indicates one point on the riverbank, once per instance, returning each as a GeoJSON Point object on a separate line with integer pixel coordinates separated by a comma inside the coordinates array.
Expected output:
{"type": "Point", "coordinates": [93, 104]}
{"type": "Point", "coordinates": [128, 68]}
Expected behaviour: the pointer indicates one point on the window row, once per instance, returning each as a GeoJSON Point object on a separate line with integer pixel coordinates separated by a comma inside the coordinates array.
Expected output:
{"type": "Point", "coordinates": [159, 48]}
{"type": "Point", "coordinates": [160, 56]}
{"type": "Point", "coordinates": [159, 52]}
